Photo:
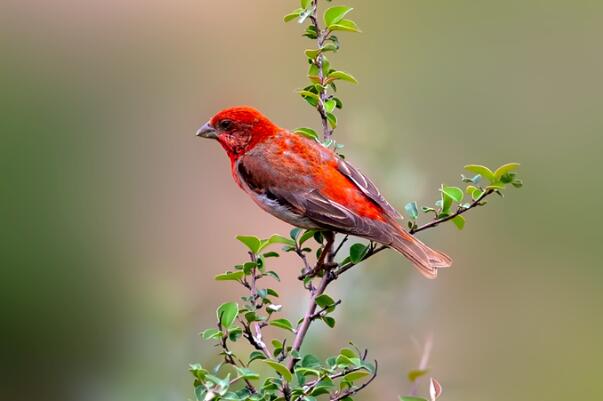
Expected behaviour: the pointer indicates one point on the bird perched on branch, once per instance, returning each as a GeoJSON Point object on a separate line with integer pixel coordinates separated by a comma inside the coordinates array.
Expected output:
{"type": "Point", "coordinates": [302, 182]}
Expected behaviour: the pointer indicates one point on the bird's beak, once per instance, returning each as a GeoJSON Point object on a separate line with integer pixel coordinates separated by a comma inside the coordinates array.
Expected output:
{"type": "Point", "coordinates": [207, 131]}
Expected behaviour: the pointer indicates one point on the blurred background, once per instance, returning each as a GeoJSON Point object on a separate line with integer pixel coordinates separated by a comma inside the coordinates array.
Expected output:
{"type": "Point", "coordinates": [114, 217]}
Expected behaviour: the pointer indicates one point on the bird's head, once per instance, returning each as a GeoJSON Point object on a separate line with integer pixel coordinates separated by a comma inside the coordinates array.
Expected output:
{"type": "Point", "coordinates": [238, 129]}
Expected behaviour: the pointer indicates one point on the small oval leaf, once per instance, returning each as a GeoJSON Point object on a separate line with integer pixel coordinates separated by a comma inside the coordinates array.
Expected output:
{"type": "Point", "coordinates": [455, 193]}
{"type": "Point", "coordinates": [251, 242]}
{"type": "Point", "coordinates": [280, 369]}
{"type": "Point", "coordinates": [335, 14]}
{"type": "Point", "coordinates": [482, 170]}
{"type": "Point", "coordinates": [227, 313]}
{"type": "Point", "coordinates": [505, 168]}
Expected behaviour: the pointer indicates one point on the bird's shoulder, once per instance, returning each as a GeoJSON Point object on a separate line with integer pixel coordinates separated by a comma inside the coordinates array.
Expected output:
{"type": "Point", "coordinates": [289, 152]}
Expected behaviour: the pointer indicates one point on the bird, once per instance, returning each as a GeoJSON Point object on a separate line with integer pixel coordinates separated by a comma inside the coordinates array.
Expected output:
{"type": "Point", "coordinates": [306, 184]}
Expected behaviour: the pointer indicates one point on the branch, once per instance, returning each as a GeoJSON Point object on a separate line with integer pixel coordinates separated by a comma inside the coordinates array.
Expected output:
{"type": "Point", "coordinates": [228, 355]}
{"type": "Point", "coordinates": [318, 314]}
{"type": "Point", "coordinates": [431, 224]}
{"type": "Point", "coordinates": [460, 211]}
{"type": "Point", "coordinates": [255, 339]}
{"type": "Point", "coordinates": [354, 390]}
{"type": "Point", "coordinates": [305, 324]}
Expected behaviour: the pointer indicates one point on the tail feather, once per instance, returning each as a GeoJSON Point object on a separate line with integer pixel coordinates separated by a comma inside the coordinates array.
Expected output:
{"type": "Point", "coordinates": [425, 259]}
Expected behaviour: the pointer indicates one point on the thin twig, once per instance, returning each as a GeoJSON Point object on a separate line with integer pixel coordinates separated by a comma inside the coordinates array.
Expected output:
{"type": "Point", "coordinates": [318, 314]}
{"type": "Point", "coordinates": [325, 260]}
{"type": "Point", "coordinates": [305, 324]}
{"type": "Point", "coordinates": [345, 238]}
{"type": "Point", "coordinates": [477, 202]}
{"type": "Point", "coordinates": [322, 35]}
{"type": "Point", "coordinates": [354, 390]}
{"type": "Point", "coordinates": [228, 355]}
{"type": "Point", "coordinates": [460, 211]}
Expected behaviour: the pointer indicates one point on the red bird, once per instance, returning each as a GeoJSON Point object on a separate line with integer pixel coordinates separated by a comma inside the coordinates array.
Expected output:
{"type": "Point", "coordinates": [306, 184]}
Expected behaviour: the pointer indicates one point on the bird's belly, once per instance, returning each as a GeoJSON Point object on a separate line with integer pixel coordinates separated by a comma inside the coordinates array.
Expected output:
{"type": "Point", "coordinates": [283, 212]}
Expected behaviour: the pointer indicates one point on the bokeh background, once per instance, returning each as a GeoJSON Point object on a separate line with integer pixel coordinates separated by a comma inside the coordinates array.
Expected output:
{"type": "Point", "coordinates": [114, 217]}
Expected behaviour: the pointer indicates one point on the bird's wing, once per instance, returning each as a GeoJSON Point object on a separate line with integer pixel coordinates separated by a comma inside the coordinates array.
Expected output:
{"type": "Point", "coordinates": [332, 215]}
{"type": "Point", "coordinates": [299, 191]}
{"type": "Point", "coordinates": [367, 187]}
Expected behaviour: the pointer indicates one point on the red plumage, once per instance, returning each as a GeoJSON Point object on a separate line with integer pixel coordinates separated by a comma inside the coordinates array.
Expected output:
{"type": "Point", "coordinates": [306, 184]}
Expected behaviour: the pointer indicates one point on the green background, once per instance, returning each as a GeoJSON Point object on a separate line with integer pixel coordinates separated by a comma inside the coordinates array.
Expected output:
{"type": "Point", "coordinates": [114, 218]}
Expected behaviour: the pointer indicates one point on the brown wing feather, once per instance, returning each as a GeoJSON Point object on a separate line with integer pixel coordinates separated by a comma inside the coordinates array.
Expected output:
{"type": "Point", "coordinates": [367, 187]}
{"type": "Point", "coordinates": [331, 215]}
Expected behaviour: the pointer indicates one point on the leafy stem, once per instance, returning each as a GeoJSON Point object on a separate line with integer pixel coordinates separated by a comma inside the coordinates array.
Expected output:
{"type": "Point", "coordinates": [462, 209]}
{"type": "Point", "coordinates": [321, 36]}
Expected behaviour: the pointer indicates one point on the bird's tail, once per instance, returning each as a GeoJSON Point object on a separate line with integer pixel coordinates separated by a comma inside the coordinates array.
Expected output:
{"type": "Point", "coordinates": [425, 259]}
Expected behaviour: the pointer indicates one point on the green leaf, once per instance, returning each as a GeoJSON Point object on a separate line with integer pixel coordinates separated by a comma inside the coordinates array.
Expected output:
{"type": "Point", "coordinates": [505, 168]}
{"type": "Point", "coordinates": [256, 355]}
{"type": "Point", "coordinates": [227, 313]}
{"type": "Point", "coordinates": [309, 94]}
{"type": "Point", "coordinates": [455, 193]}
{"type": "Point", "coordinates": [307, 132]}
{"type": "Point", "coordinates": [280, 369]}
{"type": "Point", "coordinates": [273, 274]}
{"type": "Point", "coordinates": [312, 53]}
{"type": "Point", "coordinates": [474, 191]}
{"type": "Point", "coordinates": [332, 120]}
{"type": "Point", "coordinates": [324, 300]}
{"type": "Point", "coordinates": [252, 317]}
{"type": "Point", "coordinates": [335, 14]}
{"type": "Point", "coordinates": [459, 222]}
{"type": "Point", "coordinates": [279, 239]}
{"type": "Point", "coordinates": [507, 178]}
{"type": "Point", "coordinates": [345, 25]}
{"type": "Point", "coordinates": [305, 3]}
{"type": "Point", "coordinates": [330, 105]}
{"type": "Point", "coordinates": [358, 252]}
{"type": "Point", "coordinates": [200, 392]}
{"type": "Point", "coordinates": [235, 333]}
{"type": "Point", "coordinates": [251, 242]}
{"type": "Point", "coordinates": [344, 360]}
{"type": "Point", "coordinates": [310, 32]}
{"type": "Point", "coordinates": [341, 75]}
{"type": "Point", "coordinates": [306, 236]}
{"type": "Point", "coordinates": [410, 398]}
{"type": "Point", "coordinates": [208, 334]}
{"type": "Point", "coordinates": [353, 376]}
{"type": "Point", "coordinates": [329, 321]}
{"type": "Point", "coordinates": [197, 370]}
{"type": "Point", "coordinates": [246, 373]}
{"type": "Point", "coordinates": [350, 353]}
{"type": "Point", "coordinates": [283, 324]}
{"type": "Point", "coordinates": [292, 15]}
{"type": "Point", "coordinates": [412, 210]}
{"type": "Point", "coordinates": [482, 170]}
{"type": "Point", "coordinates": [234, 276]}
{"type": "Point", "coordinates": [294, 233]}
{"type": "Point", "coordinates": [310, 361]}
{"type": "Point", "coordinates": [307, 371]}
{"type": "Point", "coordinates": [249, 266]}
{"type": "Point", "coordinates": [446, 203]}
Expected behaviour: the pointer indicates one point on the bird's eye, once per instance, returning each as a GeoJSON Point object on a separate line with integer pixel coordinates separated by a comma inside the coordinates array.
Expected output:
{"type": "Point", "coordinates": [225, 124]}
